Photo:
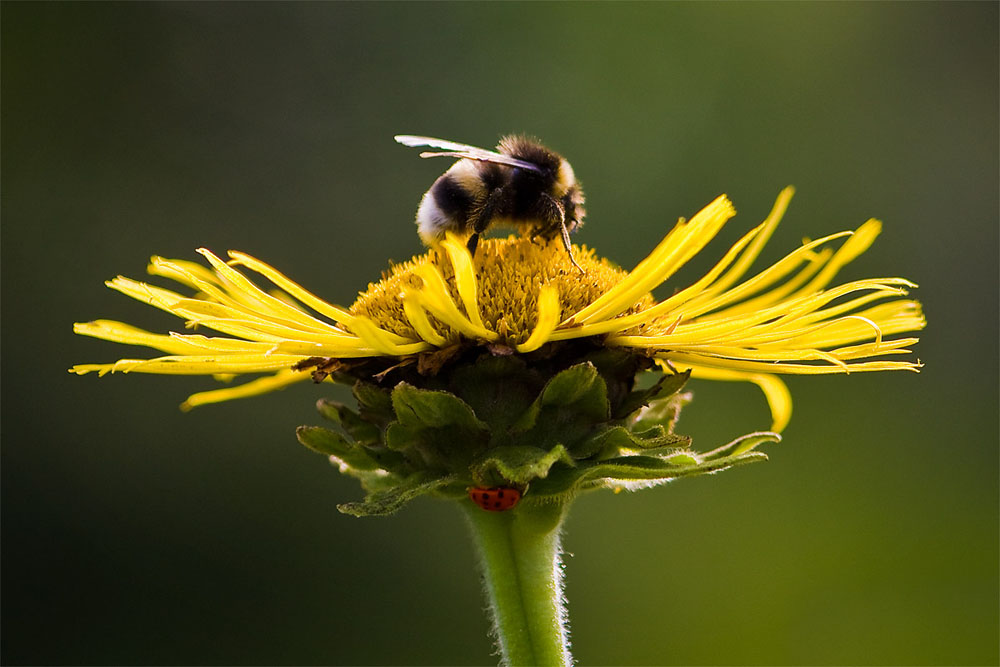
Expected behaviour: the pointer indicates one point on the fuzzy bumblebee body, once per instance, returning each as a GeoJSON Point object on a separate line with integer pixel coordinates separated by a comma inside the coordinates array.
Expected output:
{"type": "Point", "coordinates": [523, 185]}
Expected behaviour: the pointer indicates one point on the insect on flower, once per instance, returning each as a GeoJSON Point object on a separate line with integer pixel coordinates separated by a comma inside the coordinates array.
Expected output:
{"type": "Point", "coordinates": [496, 499]}
{"type": "Point", "coordinates": [523, 185]}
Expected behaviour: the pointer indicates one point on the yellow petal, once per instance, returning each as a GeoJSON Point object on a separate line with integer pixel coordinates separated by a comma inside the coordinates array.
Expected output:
{"type": "Point", "coordinates": [190, 364]}
{"type": "Point", "coordinates": [376, 338]}
{"type": "Point", "coordinates": [683, 242]}
{"type": "Point", "coordinates": [760, 240]}
{"type": "Point", "coordinates": [279, 380]}
{"type": "Point", "coordinates": [435, 298]}
{"type": "Point", "coordinates": [548, 318]}
{"type": "Point", "coordinates": [465, 277]}
{"type": "Point", "coordinates": [418, 319]}
{"type": "Point", "coordinates": [779, 399]}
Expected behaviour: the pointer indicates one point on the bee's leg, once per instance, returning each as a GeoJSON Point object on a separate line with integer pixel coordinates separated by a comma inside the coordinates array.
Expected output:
{"type": "Point", "coordinates": [473, 242]}
{"type": "Point", "coordinates": [566, 244]}
{"type": "Point", "coordinates": [558, 215]}
{"type": "Point", "coordinates": [483, 218]}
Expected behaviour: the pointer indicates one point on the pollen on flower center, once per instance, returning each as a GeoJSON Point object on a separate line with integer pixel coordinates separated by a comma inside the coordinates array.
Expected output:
{"type": "Point", "coordinates": [509, 276]}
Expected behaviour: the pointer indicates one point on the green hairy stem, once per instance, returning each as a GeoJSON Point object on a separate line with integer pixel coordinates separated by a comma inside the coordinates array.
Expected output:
{"type": "Point", "coordinates": [520, 555]}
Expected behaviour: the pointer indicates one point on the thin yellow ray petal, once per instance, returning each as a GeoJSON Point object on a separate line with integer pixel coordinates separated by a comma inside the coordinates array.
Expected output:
{"type": "Point", "coordinates": [119, 332]}
{"type": "Point", "coordinates": [810, 327]}
{"type": "Point", "coordinates": [262, 302]}
{"type": "Point", "coordinates": [418, 319]}
{"type": "Point", "coordinates": [272, 334]}
{"type": "Point", "coordinates": [833, 312]}
{"type": "Point", "coordinates": [685, 359]}
{"type": "Point", "coordinates": [706, 330]}
{"type": "Point", "coordinates": [744, 354]}
{"type": "Point", "coordinates": [897, 346]}
{"type": "Point", "coordinates": [83, 369]}
{"type": "Point", "coordinates": [201, 364]}
{"type": "Point", "coordinates": [354, 350]}
{"type": "Point", "coordinates": [303, 295]}
{"type": "Point", "coordinates": [548, 317]}
{"type": "Point", "coordinates": [779, 399]}
{"type": "Point", "coordinates": [759, 329]}
{"type": "Point", "coordinates": [216, 315]}
{"type": "Point", "coordinates": [149, 294]}
{"type": "Point", "coordinates": [232, 328]}
{"type": "Point", "coordinates": [376, 338]}
{"type": "Point", "coordinates": [787, 315]}
{"type": "Point", "coordinates": [766, 335]}
{"type": "Point", "coordinates": [238, 305]}
{"type": "Point", "coordinates": [200, 343]}
{"type": "Point", "coordinates": [209, 313]}
{"type": "Point", "coordinates": [815, 261]}
{"type": "Point", "coordinates": [465, 277]}
{"type": "Point", "coordinates": [335, 313]}
{"type": "Point", "coordinates": [892, 318]}
{"type": "Point", "coordinates": [222, 291]}
{"type": "Point", "coordinates": [168, 268]}
{"type": "Point", "coordinates": [759, 282]}
{"type": "Point", "coordinates": [760, 240]}
{"type": "Point", "coordinates": [434, 297]}
{"type": "Point", "coordinates": [801, 308]}
{"type": "Point", "coordinates": [862, 239]}
{"type": "Point", "coordinates": [264, 385]}
{"type": "Point", "coordinates": [445, 310]}
{"type": "Point", "coordinates": [685, 240]}
{"type": "Point", "coordinates": [621, 323]}
{"type": "Point", "coordinates": [181, 272]}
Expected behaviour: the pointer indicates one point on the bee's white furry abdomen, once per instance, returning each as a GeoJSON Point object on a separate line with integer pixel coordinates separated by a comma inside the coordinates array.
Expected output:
{"type": "Point", "coordinates": [432, 223]}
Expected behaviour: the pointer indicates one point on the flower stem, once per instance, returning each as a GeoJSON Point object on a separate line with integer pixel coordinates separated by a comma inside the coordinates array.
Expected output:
{"type": "Point", "coordinates": [520, 555]}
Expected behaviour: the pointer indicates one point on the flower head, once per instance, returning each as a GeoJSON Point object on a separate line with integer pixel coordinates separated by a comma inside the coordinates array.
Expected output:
{"type": "Point", "coordinates": [518, 296]}
{"type": "Point", "coordinates": [508, 370]}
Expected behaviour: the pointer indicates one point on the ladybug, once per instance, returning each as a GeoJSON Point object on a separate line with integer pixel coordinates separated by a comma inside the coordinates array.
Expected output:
{"type": "Point", "coordinates": [496, 499]}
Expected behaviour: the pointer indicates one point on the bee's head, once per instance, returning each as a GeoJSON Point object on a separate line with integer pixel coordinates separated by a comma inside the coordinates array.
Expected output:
{"type": "Point", "coordinates": [556, 171]}
{"type": "Point", "coordinates": [565, 178]}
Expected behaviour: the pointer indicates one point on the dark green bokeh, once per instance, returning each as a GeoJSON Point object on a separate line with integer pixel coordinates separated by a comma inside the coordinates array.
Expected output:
{"type": "Point", "coordinates": [136, 534]}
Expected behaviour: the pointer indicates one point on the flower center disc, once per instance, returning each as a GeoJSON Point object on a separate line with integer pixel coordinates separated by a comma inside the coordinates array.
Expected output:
{"type": "Point", "coordinates": [509, 274]}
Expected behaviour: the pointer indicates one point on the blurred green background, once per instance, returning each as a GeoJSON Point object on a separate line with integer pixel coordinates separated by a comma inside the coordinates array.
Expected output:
{"type": "Point", "coordinates": [135, 534]}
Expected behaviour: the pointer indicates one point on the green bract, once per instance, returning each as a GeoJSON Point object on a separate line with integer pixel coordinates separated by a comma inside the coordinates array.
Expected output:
{"type": "Point", "coordinates": [550, 424]}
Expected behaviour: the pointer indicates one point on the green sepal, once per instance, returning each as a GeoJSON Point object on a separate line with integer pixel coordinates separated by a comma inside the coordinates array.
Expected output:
{"type": "Point", "coordinates": [741, 445]}
{"type": "Point", "coordinates": [517, 464]}
{"type": "Point", "coordinates": [611, 442]}
{"type": "Point", "coordinates": [348, 419]}
{"type": "Point", "coordinates": [389, 500]}
{"type": "Point", "coordinates": [682, 459]}
{"type": "Point", "coordinates": [571, 407]}
{"type": "Point", "coordinates": [661, 412]}
{"type": "Point", "coordinates": [374, 403]}
{"type": "Point", "coordinates": [579, 387]}
{"type": "Point", "coordinates": [563, 483]}
{"type": "Point", "coordinates": [551, 425]}
{"type": "Point", "coordinates": [665, 387]}
{"type": "Point", "coordinates": [330, 443]}
{"type": "Point", "coordinates": [498, 389]}
{"type": "Point", "coordinates": [425, 408]}
{"type": "Point", "coordinates": [354, 458]}
{"type": "Point", "coordinates": [619, 368]}
{"type": "Point", "coordinates": [436, 427]}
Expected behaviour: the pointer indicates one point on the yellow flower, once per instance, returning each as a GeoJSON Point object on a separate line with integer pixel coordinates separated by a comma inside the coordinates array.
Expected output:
{"type": "Point", "coordinates": [518, 295]}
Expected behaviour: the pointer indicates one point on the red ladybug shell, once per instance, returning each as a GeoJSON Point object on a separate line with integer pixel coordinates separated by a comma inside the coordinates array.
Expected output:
{"type": "Point", "coordinates": [497, 499]}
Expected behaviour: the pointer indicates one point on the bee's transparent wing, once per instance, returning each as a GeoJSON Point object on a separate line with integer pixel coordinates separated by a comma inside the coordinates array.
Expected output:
{"type": "Point", "coordinates": [413, 141]}
{"type": "Point", "coordinates": [453, 149]}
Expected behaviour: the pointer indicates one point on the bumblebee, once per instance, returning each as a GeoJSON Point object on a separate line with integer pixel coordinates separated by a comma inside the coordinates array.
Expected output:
{"type": "Point", "coordinates": [522, 185]}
